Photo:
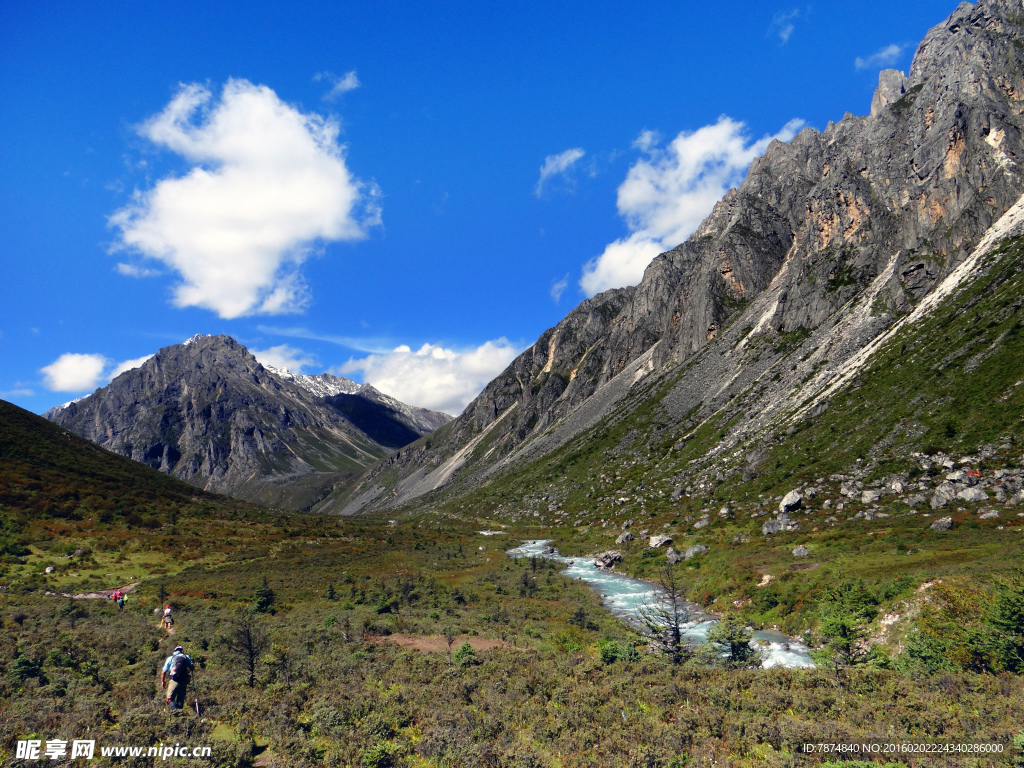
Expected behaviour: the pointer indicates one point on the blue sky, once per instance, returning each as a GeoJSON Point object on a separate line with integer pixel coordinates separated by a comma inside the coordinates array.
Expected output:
{"type": "Point", "coordinates": [404, 193]}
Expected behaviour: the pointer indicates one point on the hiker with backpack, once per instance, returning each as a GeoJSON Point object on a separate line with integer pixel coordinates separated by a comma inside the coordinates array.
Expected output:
{"type": "Point", "coordinates": [178, 668]}
{"type": "Point", "coordinates": [168, 621]}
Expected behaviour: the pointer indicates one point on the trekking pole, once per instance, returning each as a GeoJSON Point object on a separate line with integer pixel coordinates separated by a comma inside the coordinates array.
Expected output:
{"type": "Point", "coordinates": [195, 691]}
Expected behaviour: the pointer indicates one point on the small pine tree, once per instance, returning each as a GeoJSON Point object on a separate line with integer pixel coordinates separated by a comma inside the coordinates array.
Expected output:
{"type": "Point", "coordinates": [264, 599]}
{"type": "Point", "coordinates": [845, 635]}
{"type": "Point", "coordinates": [1005, 625]}
{"type": "Point", "coordinates": [331, 593]}
{"type": "Point", "coordinates": [730, 640]}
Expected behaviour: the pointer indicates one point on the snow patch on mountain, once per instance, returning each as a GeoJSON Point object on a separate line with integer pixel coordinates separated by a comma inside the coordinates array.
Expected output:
{"type": "Point", "coordinates": [318, 385]}
{"type": "Point", "coordinates": [62, 406]}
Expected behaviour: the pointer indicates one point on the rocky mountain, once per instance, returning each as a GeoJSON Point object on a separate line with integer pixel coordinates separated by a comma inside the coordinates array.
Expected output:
{"type": "Point", "coordinates": [832, 244]}
{"type": "Point", "coordinates": [208, 412]}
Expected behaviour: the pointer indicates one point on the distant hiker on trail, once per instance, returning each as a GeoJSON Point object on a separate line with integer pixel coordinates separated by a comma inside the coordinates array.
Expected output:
{"type": "Point", "coordinates": [168, 621]}
{"type": "Point", "coordinates": [119, 599]}
{"type": "Point", "coordinates": [179, 668]}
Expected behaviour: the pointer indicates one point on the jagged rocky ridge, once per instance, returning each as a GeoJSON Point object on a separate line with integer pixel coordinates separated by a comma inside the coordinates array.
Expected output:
{"type": "Point", "coordinates": [831, 241]}
{"type": "Point", "coordinates": [209, 413]}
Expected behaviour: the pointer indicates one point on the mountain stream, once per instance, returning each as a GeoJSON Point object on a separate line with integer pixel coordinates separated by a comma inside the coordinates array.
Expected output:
{"type": "Point", "coordinates": [624, 596]}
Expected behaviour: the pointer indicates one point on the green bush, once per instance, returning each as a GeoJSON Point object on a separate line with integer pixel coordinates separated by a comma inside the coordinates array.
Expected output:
{"type": "Point", "coordinates": [464, 655]}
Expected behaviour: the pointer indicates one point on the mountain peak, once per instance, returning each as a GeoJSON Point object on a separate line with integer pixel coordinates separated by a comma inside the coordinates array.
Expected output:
{"type": "Point", "coordinates": [208, 412]}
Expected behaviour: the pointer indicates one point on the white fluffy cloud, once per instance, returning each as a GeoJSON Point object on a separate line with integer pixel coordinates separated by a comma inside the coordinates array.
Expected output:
{"type": "Point", "coordinates": [432, 376]}
{"type": "Point", "coordinates": [670, 191]}
{"type": "Point", "coordinates": [74, 372]}
{"type": "Point", "coordinates": [556, 165]}
{"type": "Point", "coordinates": [285, 356]}
{"type": "Point", "coordinates": [268, 184]}
{"type": "Point", "coordinates": [883, 57]}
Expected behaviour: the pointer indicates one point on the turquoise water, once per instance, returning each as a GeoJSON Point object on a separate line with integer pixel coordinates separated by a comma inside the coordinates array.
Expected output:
{"type": "Point", "coordinates": [624, 596]}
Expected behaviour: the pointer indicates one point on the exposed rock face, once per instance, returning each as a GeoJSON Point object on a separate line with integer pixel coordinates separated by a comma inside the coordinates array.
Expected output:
{"type": "Point", "coordinates": [209, 413]}
{"type": "Point", "coordinates": [835, 235]}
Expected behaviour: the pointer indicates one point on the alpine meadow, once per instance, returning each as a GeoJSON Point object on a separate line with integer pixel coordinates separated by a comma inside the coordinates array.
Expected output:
{"type": "Point", "coordinates": [761, 505]}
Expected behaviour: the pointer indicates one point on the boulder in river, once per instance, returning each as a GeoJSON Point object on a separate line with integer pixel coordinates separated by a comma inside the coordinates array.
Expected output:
{"type": "Point", "coordinates": [608, 559]}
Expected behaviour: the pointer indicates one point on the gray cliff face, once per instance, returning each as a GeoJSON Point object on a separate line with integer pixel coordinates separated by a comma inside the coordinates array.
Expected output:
{"type": "Point", "coordinates": [933, 167]}
{"type": "Point", "coordinates": [209, 413]}
{"type": "Point", "coordinates": [894, 201]}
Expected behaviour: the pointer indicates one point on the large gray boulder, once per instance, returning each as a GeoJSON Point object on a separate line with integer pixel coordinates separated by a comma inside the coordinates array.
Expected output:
{"type": "Point", "coordinates": [972, 494]}
{"type": "Point", "coordinates": [778, 524]}
{"type": "Point", "coordinates": [791, 501]}
{"type": "Point", "coordinates": [942, 495]}
{"type": "Point", "coordinates": [672, 556]}
{"type": "Point", "coordinates": [960, 477]}
{"type": "Point", "coordinates": [624, 537]}
{"type": "Point", "coordinates": [870, 497]}
{"type": "Point", "coordinates": [696, 549]}
{"type": "Point", "coordinates": [942, 524]}
{"type": "Point", "coordinates": [800, 551]}
{"type": "Point", "coordinates": [660, 540]}
{"type": "Point", "coordinates": [608, 559]}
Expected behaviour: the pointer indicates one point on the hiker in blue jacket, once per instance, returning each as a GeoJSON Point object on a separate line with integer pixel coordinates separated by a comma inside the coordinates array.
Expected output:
{"type": "Point", "coordinates": [178, 668]}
